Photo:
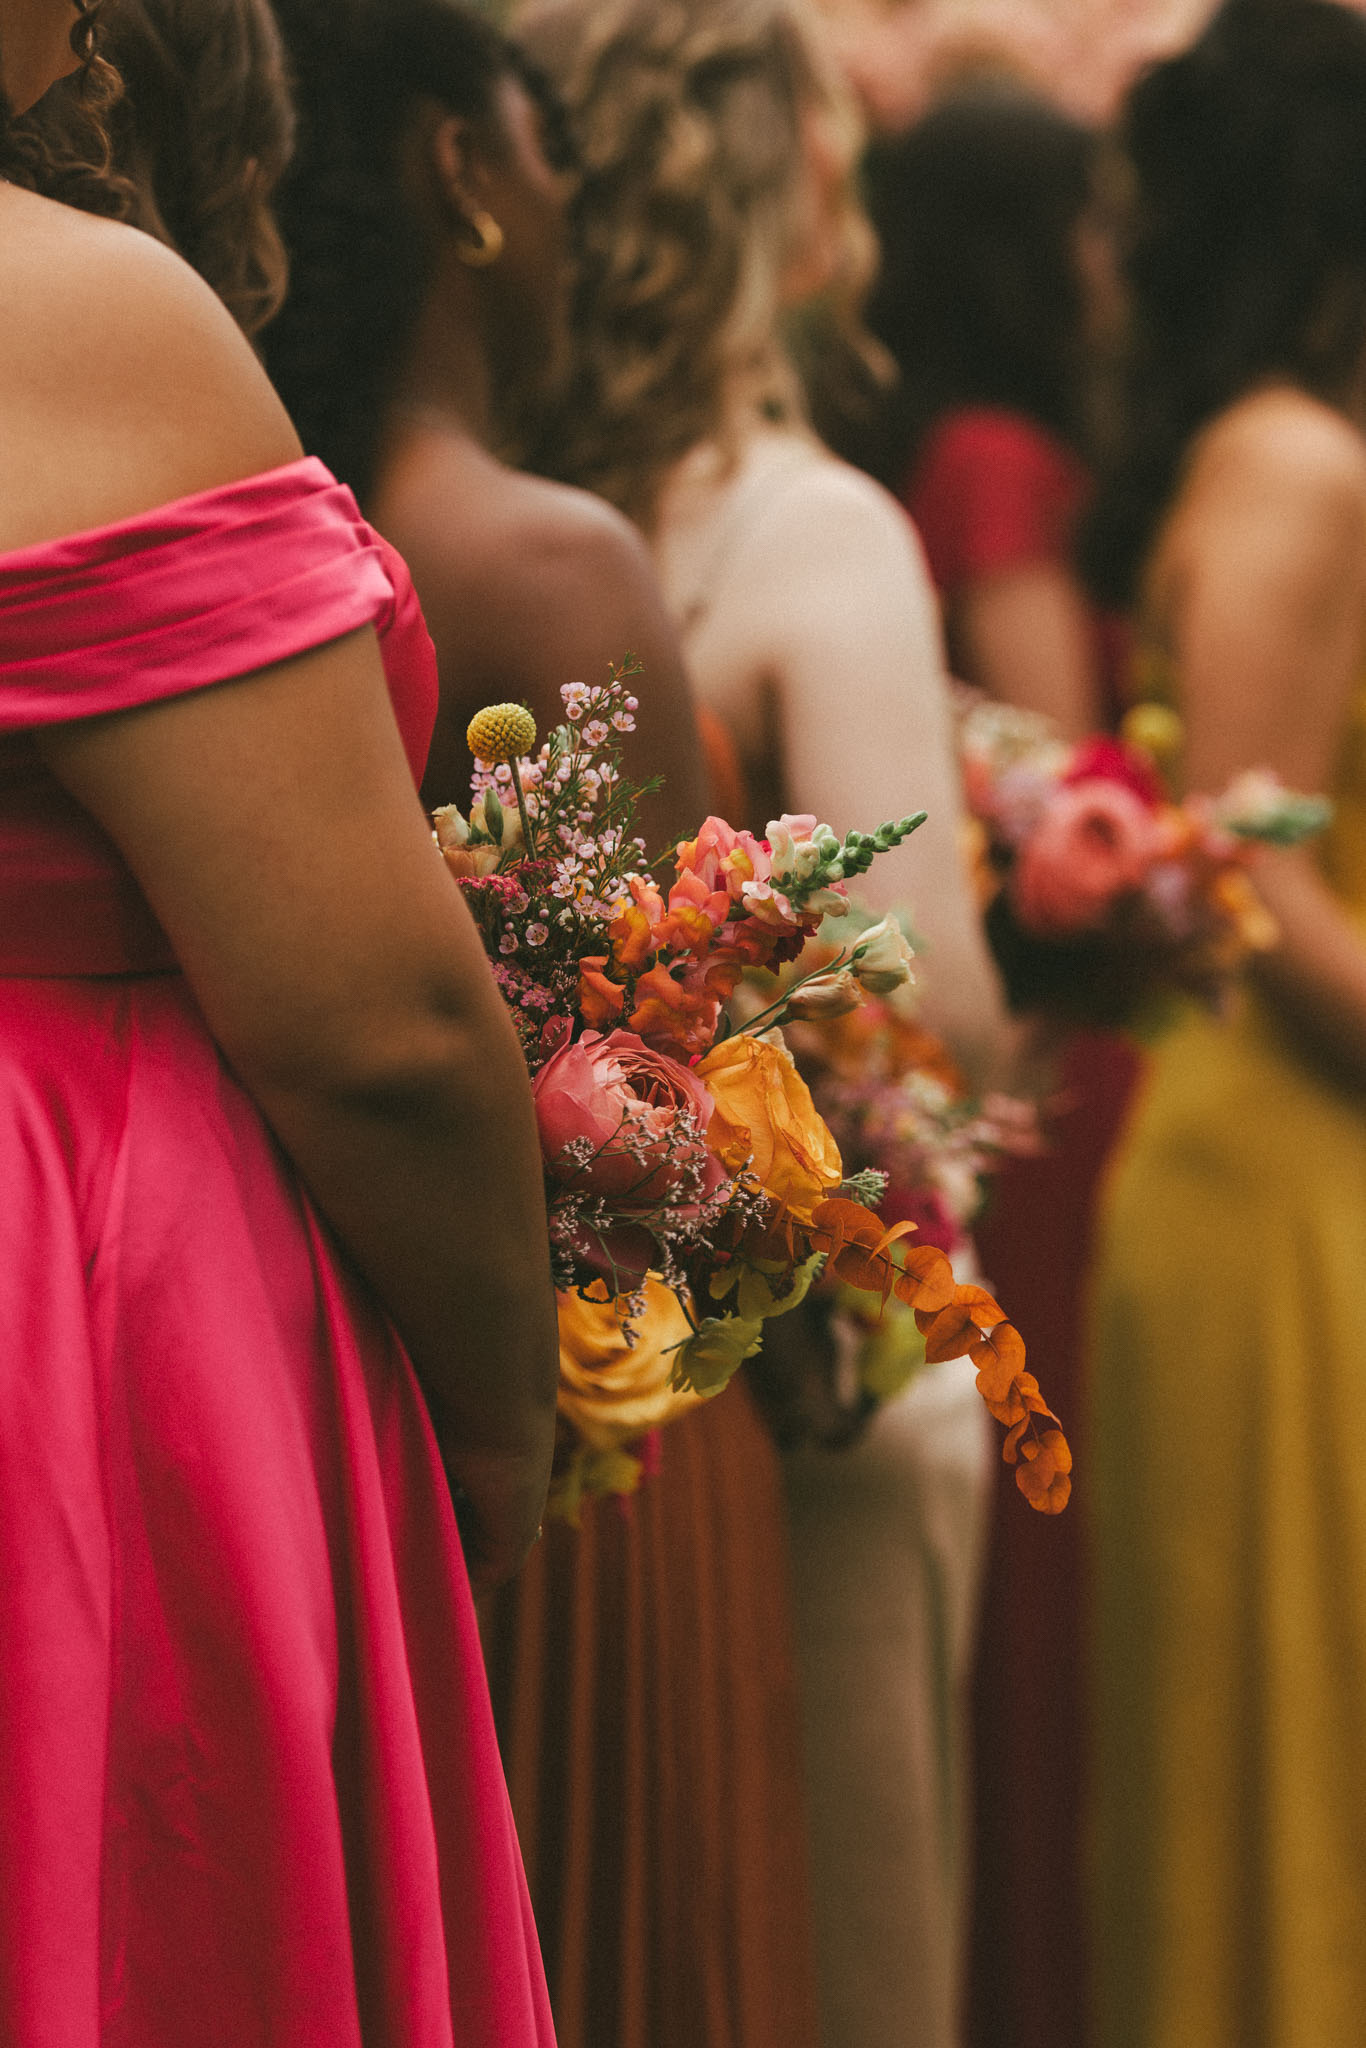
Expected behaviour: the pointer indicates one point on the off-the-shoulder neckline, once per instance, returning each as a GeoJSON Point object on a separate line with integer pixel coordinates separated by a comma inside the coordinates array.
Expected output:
{"type": "Point", "coordinates": [303, 468]}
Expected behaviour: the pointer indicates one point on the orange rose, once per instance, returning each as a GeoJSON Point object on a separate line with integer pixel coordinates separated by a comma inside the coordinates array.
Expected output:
{"type": "Point", "coordinates": [764, 1117]}
{"type": "Point", "coordinates": [611, 1391]}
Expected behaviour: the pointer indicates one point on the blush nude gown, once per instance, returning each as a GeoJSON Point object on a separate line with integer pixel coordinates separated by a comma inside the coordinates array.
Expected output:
{"type": "Point", "coordinates": [249, 1790]}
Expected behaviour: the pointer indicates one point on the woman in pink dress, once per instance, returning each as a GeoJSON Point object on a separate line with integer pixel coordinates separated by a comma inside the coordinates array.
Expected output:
{"type": "Point", "coordinates": [249, 1792]}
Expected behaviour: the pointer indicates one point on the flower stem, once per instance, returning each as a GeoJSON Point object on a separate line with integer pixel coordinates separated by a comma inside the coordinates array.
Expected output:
{"type": "Point", "coordinates": [528, 839]}
{"type": "Point", "coordinates": [774, 1012]}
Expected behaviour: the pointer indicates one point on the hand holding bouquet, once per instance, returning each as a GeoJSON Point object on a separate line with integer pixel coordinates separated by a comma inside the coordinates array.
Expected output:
{"type": "Point", "coordinates": [1104, 896]}
{"type": "Point", "coordinates": [690, 1180]}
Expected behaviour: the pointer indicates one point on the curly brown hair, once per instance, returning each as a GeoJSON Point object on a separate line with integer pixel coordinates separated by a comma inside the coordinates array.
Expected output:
{"type": "Point", "coordinates": [202, 133]}
{"type": "Point", "coordinates": [205, 131]}
{"type": "Point", "coordinates": [690, 120]}
{"type": "Point", "coordinates": [75, 162]}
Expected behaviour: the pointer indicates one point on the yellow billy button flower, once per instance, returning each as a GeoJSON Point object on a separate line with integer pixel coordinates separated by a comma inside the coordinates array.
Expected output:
{"type": "Point", "coordinates": [501, 732]}
{"type": "Point", "coordinates": [1156, 728]}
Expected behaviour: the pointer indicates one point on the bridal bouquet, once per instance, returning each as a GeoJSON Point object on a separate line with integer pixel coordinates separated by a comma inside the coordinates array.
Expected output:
{"type": "Point", "coordinates": [693, 1190]}
{"type": "Point", "coordinates": [1103, 895]}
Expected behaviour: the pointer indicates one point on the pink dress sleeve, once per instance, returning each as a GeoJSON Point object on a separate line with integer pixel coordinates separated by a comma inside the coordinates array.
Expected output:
{"type": "Point", "coordinates": [992, 491]}
{"type": "Point", "coordinates": [191, 594]}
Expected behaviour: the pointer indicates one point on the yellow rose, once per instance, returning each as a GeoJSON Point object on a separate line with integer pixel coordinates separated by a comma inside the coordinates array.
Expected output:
{"type": "Point", "coordinates": [612, 1391]}
{"type": "Point", "coordinates": [764, 1117]}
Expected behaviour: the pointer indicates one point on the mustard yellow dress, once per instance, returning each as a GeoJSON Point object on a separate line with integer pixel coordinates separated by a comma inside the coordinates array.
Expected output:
{"type": "Point", "coordinates": [1230, 1480]}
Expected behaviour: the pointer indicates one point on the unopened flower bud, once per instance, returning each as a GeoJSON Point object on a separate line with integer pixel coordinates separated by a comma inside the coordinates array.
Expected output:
{"type": "Point", "coordinates": [450, 827]}
{"type": "Point", "coordinates": [493, 815]}
{"type": "Point", "coordinates": [825, 995]}
{"type": "Point", "coordinates": [882, 958]}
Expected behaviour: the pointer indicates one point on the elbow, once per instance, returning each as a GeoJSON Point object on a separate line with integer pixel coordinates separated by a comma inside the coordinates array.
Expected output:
{"type": "Point", "coordinates": [434, 1059]}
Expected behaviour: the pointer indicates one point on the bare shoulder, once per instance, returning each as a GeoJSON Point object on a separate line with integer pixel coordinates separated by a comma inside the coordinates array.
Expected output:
{"type": "Point", "coordinates": [463, 517]}
{"type": "Point", "coordinates": [1282, 447]}
{"type": "Point", "coordinates": [123, 381]}
{"type": "Point", "coordinates": [830, 523]}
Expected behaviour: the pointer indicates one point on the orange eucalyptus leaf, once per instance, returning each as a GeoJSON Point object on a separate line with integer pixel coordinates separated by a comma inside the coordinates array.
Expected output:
{"type": "Point", "coordinates": [999, 1357]}
{"type": "Point", "coordinates": [950, 1334]}
{"type": "Point", "coordinates": [1044, 1474]}
{"type": "Point", "coordinates": [1010, 1450]}
{"type": "Point", "coordinates": [926, 1284]}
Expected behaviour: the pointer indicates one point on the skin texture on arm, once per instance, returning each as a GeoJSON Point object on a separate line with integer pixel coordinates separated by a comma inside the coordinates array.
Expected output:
{"type": "Point", "coordinates": [528, 585]}
{"type": "Point", "coordinates": [273, 825]}
{"type": "Point", "coordinates": [1262, 580]}
{"type": "Point", "coordinates": [832, 609]}
{"type": "Point", "coordinates": [1025, 637]}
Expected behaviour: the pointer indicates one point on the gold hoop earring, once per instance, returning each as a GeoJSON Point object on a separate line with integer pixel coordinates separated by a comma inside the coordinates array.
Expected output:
{"type": "Point", "coordinates": [489, 247]}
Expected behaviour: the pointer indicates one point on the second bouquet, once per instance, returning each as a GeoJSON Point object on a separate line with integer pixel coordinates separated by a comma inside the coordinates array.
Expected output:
{"type": "Point", "coordinates": [693, 1190]}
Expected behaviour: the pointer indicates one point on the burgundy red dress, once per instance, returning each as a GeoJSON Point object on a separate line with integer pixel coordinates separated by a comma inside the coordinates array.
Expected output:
{"type": "Point", "coordinates": [250, 1795]}
{"type": "Point", "coordinates": [993, 491]}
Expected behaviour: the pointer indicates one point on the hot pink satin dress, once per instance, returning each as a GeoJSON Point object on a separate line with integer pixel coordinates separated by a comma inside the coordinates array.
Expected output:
{"type": "Point", "coordinates": [250, 1795]}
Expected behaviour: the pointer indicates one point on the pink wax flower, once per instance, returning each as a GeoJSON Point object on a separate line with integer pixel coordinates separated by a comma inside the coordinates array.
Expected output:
{"type": "Point", "coordinates": [1096, 841]}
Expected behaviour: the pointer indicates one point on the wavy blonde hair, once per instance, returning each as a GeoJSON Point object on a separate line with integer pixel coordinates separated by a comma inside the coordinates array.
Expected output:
{"type": "Point", "coordinates": [691, 123]}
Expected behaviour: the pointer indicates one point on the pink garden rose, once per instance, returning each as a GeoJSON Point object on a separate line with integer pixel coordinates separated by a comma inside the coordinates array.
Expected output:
{"type": "Point", "coordinates": [648, 1159]}
{"type": "Point", "coordinates": [1096, 841]}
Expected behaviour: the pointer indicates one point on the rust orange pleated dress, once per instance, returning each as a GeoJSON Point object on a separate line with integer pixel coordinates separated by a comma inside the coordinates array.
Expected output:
{"type": "Point", "coordinates": [644, 1686]}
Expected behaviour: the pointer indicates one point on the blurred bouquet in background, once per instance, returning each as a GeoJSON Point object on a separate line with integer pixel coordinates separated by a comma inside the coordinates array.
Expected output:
{"type": "Point", "coordinates": [694, 1191]}
{"type": "Point", "coordinates": [1104, 897]}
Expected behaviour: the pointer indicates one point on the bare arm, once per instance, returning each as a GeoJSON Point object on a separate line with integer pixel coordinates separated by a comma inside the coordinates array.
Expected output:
{"type": "Point", "coordinates": [1025, 637]}
{"type": "Point", "coordinates": [1268, 603]}
{"type": "Point", "coordinates": [347, 986]}
{"type": "Point", "coordinates": [274, 827]}
{"type": "Point", "coordinates": [842, 618]}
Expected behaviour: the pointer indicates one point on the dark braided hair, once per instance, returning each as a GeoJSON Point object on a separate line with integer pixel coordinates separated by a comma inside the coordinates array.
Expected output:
{"type": "Point", "coordinates": [1248, 259]}
{"type": "Point", "coordinates": [75, 166]}
{"type": "Point", "coordinates": [359, 258]}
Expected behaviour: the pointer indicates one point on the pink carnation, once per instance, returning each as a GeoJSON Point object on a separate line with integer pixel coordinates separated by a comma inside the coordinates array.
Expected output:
{"type": "Point", "coordinates": [1096, 841]}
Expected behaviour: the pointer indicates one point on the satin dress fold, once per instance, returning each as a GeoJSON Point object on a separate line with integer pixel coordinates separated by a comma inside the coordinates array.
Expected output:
{"type": "Point", "coordinates": [250, 1795]}
{"type": "Point", "coordinates": [1229, 1434]}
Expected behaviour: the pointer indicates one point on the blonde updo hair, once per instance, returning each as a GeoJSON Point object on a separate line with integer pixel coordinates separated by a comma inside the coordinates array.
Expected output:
{"type": "Point", "coordinates": [690, 120]}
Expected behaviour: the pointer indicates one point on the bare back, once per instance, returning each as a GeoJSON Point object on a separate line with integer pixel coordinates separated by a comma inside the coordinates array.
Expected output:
{"type": "Point", "coordinates": [810, 630]}
{"type": "Point", "coordinates": [528, 585]}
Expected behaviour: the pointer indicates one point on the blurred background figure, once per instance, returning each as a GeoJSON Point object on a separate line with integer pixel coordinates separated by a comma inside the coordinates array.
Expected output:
{"type": "Point", "coordinates": [717, 150]}
{"type": "Point", "coordinates": [999, 299]}
{"type": "Point", "coordinates": [1081, 54]}
{"type": "Point", "coordinates": [1230, 1445]}
{"type": "Point", "coordinates": [996, 290]}
{"type": "Point", "coordinates": [425, 217]}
